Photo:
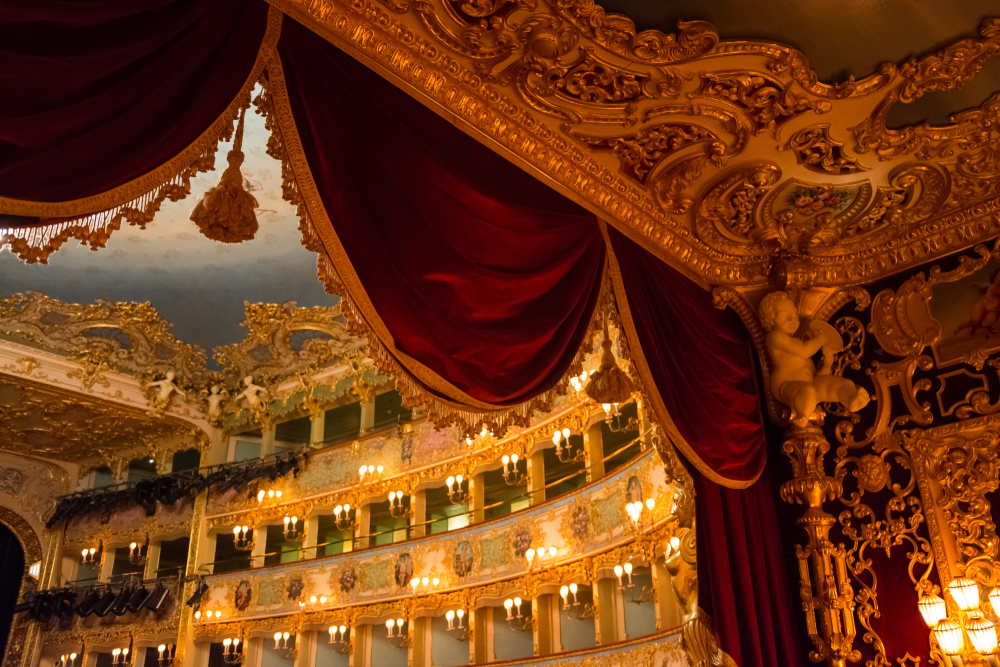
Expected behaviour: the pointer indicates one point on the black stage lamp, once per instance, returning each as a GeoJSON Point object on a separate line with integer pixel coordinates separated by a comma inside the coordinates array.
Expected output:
{"type": "Point", "coordinates": [103, 606]}
{"type": "Point", "coordinates": [199, 593]}
{"type": "Point", "coordinates": [157, 597]}
{"type": "Point", "coordinates": [86, 606]}
{"type": "Point", "coordinates": [138, 599]}
{"type": "Point", "coordinates": [121, 600]}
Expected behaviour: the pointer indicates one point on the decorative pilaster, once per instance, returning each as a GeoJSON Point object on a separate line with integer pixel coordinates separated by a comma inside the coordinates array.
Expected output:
{"type": "Point", "coordinates": [827, 595]}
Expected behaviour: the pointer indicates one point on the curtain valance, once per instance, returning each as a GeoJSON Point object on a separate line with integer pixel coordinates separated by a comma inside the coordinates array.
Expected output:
{"type": "Point", "coordinates": [476, 285]}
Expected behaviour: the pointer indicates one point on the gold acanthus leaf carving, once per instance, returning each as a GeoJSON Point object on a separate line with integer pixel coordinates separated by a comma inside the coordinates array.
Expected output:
{"type": "Point", "coordinates": [814, 148]}
{"type": "Point", "coordinates": [640, 153]}
{"type": "Point", "coordinates": [764, 100]}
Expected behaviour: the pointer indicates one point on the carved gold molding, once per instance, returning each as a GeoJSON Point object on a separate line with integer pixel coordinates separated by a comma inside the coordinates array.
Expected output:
{"type": "Point", "coordinates": [719, 156]}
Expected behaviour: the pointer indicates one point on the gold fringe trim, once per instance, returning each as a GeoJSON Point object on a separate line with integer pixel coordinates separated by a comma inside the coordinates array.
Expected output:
{"type": "Point", "coordinates": [641, 367]}
{"type": "Point", "coordinates": [445, 403]}
{"type": "Point", "coordinates": [93, 219]}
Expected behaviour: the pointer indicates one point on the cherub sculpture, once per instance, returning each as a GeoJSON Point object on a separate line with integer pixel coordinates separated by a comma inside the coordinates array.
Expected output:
{"type": "Point", "coordinates": [794, 378]}
{"type": "Point", "coordinates": [216, 396]}
{"type": "Point", "coordinates": [253, 392]}
{"type": "Point", "coordinates": [166, 388]}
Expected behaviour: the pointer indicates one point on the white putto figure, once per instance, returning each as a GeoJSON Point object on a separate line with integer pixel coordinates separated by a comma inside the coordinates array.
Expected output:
{"type": "Point", "coordinates": [165, 388]}
{"type": "Point", "coordinates": [794, 378]}
{"type": "Point", "coordinates": [253, 392]}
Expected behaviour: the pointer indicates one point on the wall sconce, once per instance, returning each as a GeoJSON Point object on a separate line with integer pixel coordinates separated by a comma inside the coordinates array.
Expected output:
{"type": "Point", "coordinates": [66, 660]}
{"type": "Point", "coordinates": [166, 652]}
{"type": "Point", "coordinates": [577, 381]}
{"type": "Point", "coordinates": [340, 639]}
{"type": "Point", "coordinates": [370, 474]}
{"type": "Point", "coordinates": [270, 497]}
{"type": "Point", "coordinates": [288, 652]}
{"type": "Point", "coordinates": [456, 494]}
{"type": "Point", "coordinates": [426, 582]}
{"type": "Point", "coordinates": [950, 632]}
{"type": "Point", "coordinates": [208, 616]}
{"type": "Point", "coordinates": [314, 602]}
{"type": "Point", "coordinates": [244, 538]}
{"type": "Point", "coordinates": [92, 556]}
{"type": "Point", "coordinates": [396, 507]}
{"type": "Point", "coordinates": [232, 651]}
{"type": "Point", "coordinates": [458, 631]}
{"type": "Point", "coordinates": [629, 591]}
{"type": "Point", "coordinates": [512, 476]}
{"type": "Point", "coordinates": [397, 636]}
{"type": "Point", "coordinates": [342, 514]}
{"type": "Point", "coordinates": [517, 621]}
{"type": "Point", "coordinates": [635, 513]}
{"type": "Point", "coordinates": [613, 418]}
{"type": "Point", "coordinates": [292, 530]}
{"type": "Point", "coordinates": [138, 554]}
{"type": "Point", "coordinates": [542, 555]}
{"type": "Point", "coordinates": [574, 610]}
{"type": "Point", "coordinates": [483, 439]}
{"type": "Point", "coordinates": [120, 657]}
{"type": "Point", "coordinates": [564, 450]}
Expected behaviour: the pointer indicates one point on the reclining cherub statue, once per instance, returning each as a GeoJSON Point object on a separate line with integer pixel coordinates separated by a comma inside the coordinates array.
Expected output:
{"type": "Point", "coordinates": [794, 378]}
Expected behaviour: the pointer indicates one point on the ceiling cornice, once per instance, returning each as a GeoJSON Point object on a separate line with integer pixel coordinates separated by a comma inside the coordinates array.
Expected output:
{"type": "Point", "coordinates": [728, 159]}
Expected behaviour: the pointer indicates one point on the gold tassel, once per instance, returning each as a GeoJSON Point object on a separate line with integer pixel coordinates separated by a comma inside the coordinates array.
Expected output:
{"type": "Point", "coordinates": [226, 212]}
{"type": "Point", "coordinates": [609, 384]}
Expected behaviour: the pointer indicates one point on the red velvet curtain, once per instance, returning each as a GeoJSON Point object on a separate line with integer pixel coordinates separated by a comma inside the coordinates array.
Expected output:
{"type": "Point", "coordinates": [471, 267]}
{"type": "Point", "coordinates": [700, 362]}
{"type": "Point", "coordinates": [99, 93]}
{"type": "Point", "coordinates": [478, 271]}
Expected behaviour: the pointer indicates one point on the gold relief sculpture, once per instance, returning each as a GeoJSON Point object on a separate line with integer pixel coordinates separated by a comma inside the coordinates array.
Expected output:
{"type": "Point", "coordinates": [554, 83]}
{"type": "Point", "coordinates": [814, 148]}
{"type": "Point", "coordinates": [42, 421]}
{"type": "Point", "coordinates": [127, 337]}
{"type": "Point", "coordinates": [764, 100]}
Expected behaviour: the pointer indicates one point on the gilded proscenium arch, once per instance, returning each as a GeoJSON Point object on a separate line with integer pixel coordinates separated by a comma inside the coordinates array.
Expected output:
{"type": "Point", "coordinates": [481, 86]}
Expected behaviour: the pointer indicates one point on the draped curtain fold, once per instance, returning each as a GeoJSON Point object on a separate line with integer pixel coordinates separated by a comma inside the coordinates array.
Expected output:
{"type": "Point", "coordinates": [477, 278]}
{"type": "Point", "coordinates": [98, 95]}
{"type": "Point", "coordinates": [478, 282]}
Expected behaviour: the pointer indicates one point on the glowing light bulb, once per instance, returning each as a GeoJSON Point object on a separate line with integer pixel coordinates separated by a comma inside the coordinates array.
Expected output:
{"type": "Point", "coordinates": [347, 508]}
{"type": "Point", "coordinates": [514, 459]}
{"type": "Point", "coordinates": [450, 482]}
{"type": "Point", "coordinates": [285, 636]}
{"type": "Point", "coordinates": [390, 624]}
{"type": "Point", "coordinates": [161, 648]}
{"type": "Point", "coordinates": [505, 459]}
{"type": "Point", "coordinates": [618, 571]}
{"type": "Point", "coordinates": [628, 568]}
{"type": "Point", "coordinates": [379, 470]}
{"type": "Point", "coordinates": [556, 437]}
{"type": "Point", "coordinates": [564, 593]}
{"type": "Point", "coordinates": [933, 609]}
{"type": "Point", "coordinates": [322, 599]}
{"type": "Point", "coordinates": [414, 582]}
{"type": "Point", "coordinates": [197, 616]}
{"type": "Point", "coordinates": [343, 629]}
{"type": "Point", "coordinates": [450, 616]}
{"type": "Point", "coordinates": [983, 634]}
{"type": "Point", "coordinates": [965, 591]}
{"type": "Point", "coordinates": [675, 542]}
{"type": "Point", "coordinates": [435, 581]}
{"type": "Point", "coordinates": [116, 652]}
{"type": "Point", "coordinates": [650, 503]}
{"type": "Point", "coordinates": [566, 432]}
{"type": "Point", "coordinates": [392, 496]}
{"type": "Point", "coordinates": [85, 552]}
{"type": "Point", "coordinates": [338, 509]}
{"type": "Point", "coordinates": [425, 581]}
{"type": "Point", "coordinates": [950, 637]}
{"type": "Point", "coordinates": [362, 470]}
{"type": "Point", "coordinates": [460, 613]}
{"type": "Point", "coordinates": [552, 552]}
{"type": "Point", "coordinates": [227, 641]}
{"type": "Point", "coordinates": [573, 589]}
{"type": "Point", "coordinates": [508, 603]}
{"type": "Point", "coordinates": [529, 554]}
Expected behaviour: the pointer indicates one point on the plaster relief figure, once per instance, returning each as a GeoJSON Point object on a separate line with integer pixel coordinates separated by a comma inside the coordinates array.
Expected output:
{"type": "Point", "coordinates": [215, 398]}
{"type": "Point", "coordinates": [794, 378]}
{"type": "Point", "coordinates": [253, 392]}
{"type": "Point", "coordinates": [986, 313]}
{"type": "Point", "coordinates": [166, 388]}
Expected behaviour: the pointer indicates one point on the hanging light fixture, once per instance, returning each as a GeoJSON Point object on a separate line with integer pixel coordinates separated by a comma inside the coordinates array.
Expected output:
{"type": "Point", "coordinates": [933, 609]}
{"type": "Point", "coordinates": [965, 592]}
{"type": "Point", "coordinates": [950, 637]}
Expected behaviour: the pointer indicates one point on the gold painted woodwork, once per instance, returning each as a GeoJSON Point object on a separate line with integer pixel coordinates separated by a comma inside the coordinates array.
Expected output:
{"type": "Point", "coordinates": [679, 139]}
{"type": "Point", "coordinates": [39, 421]}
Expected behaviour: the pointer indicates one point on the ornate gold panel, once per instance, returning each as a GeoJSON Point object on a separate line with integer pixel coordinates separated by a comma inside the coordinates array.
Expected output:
{"type": "Point", "coordinates": [701, 147]}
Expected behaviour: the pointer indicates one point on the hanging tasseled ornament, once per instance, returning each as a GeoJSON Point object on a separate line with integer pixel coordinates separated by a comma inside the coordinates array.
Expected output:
{"type": "Point", "coordinates": [609, 383]}
{"type": "Point", "coordinates": [226, 212]}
